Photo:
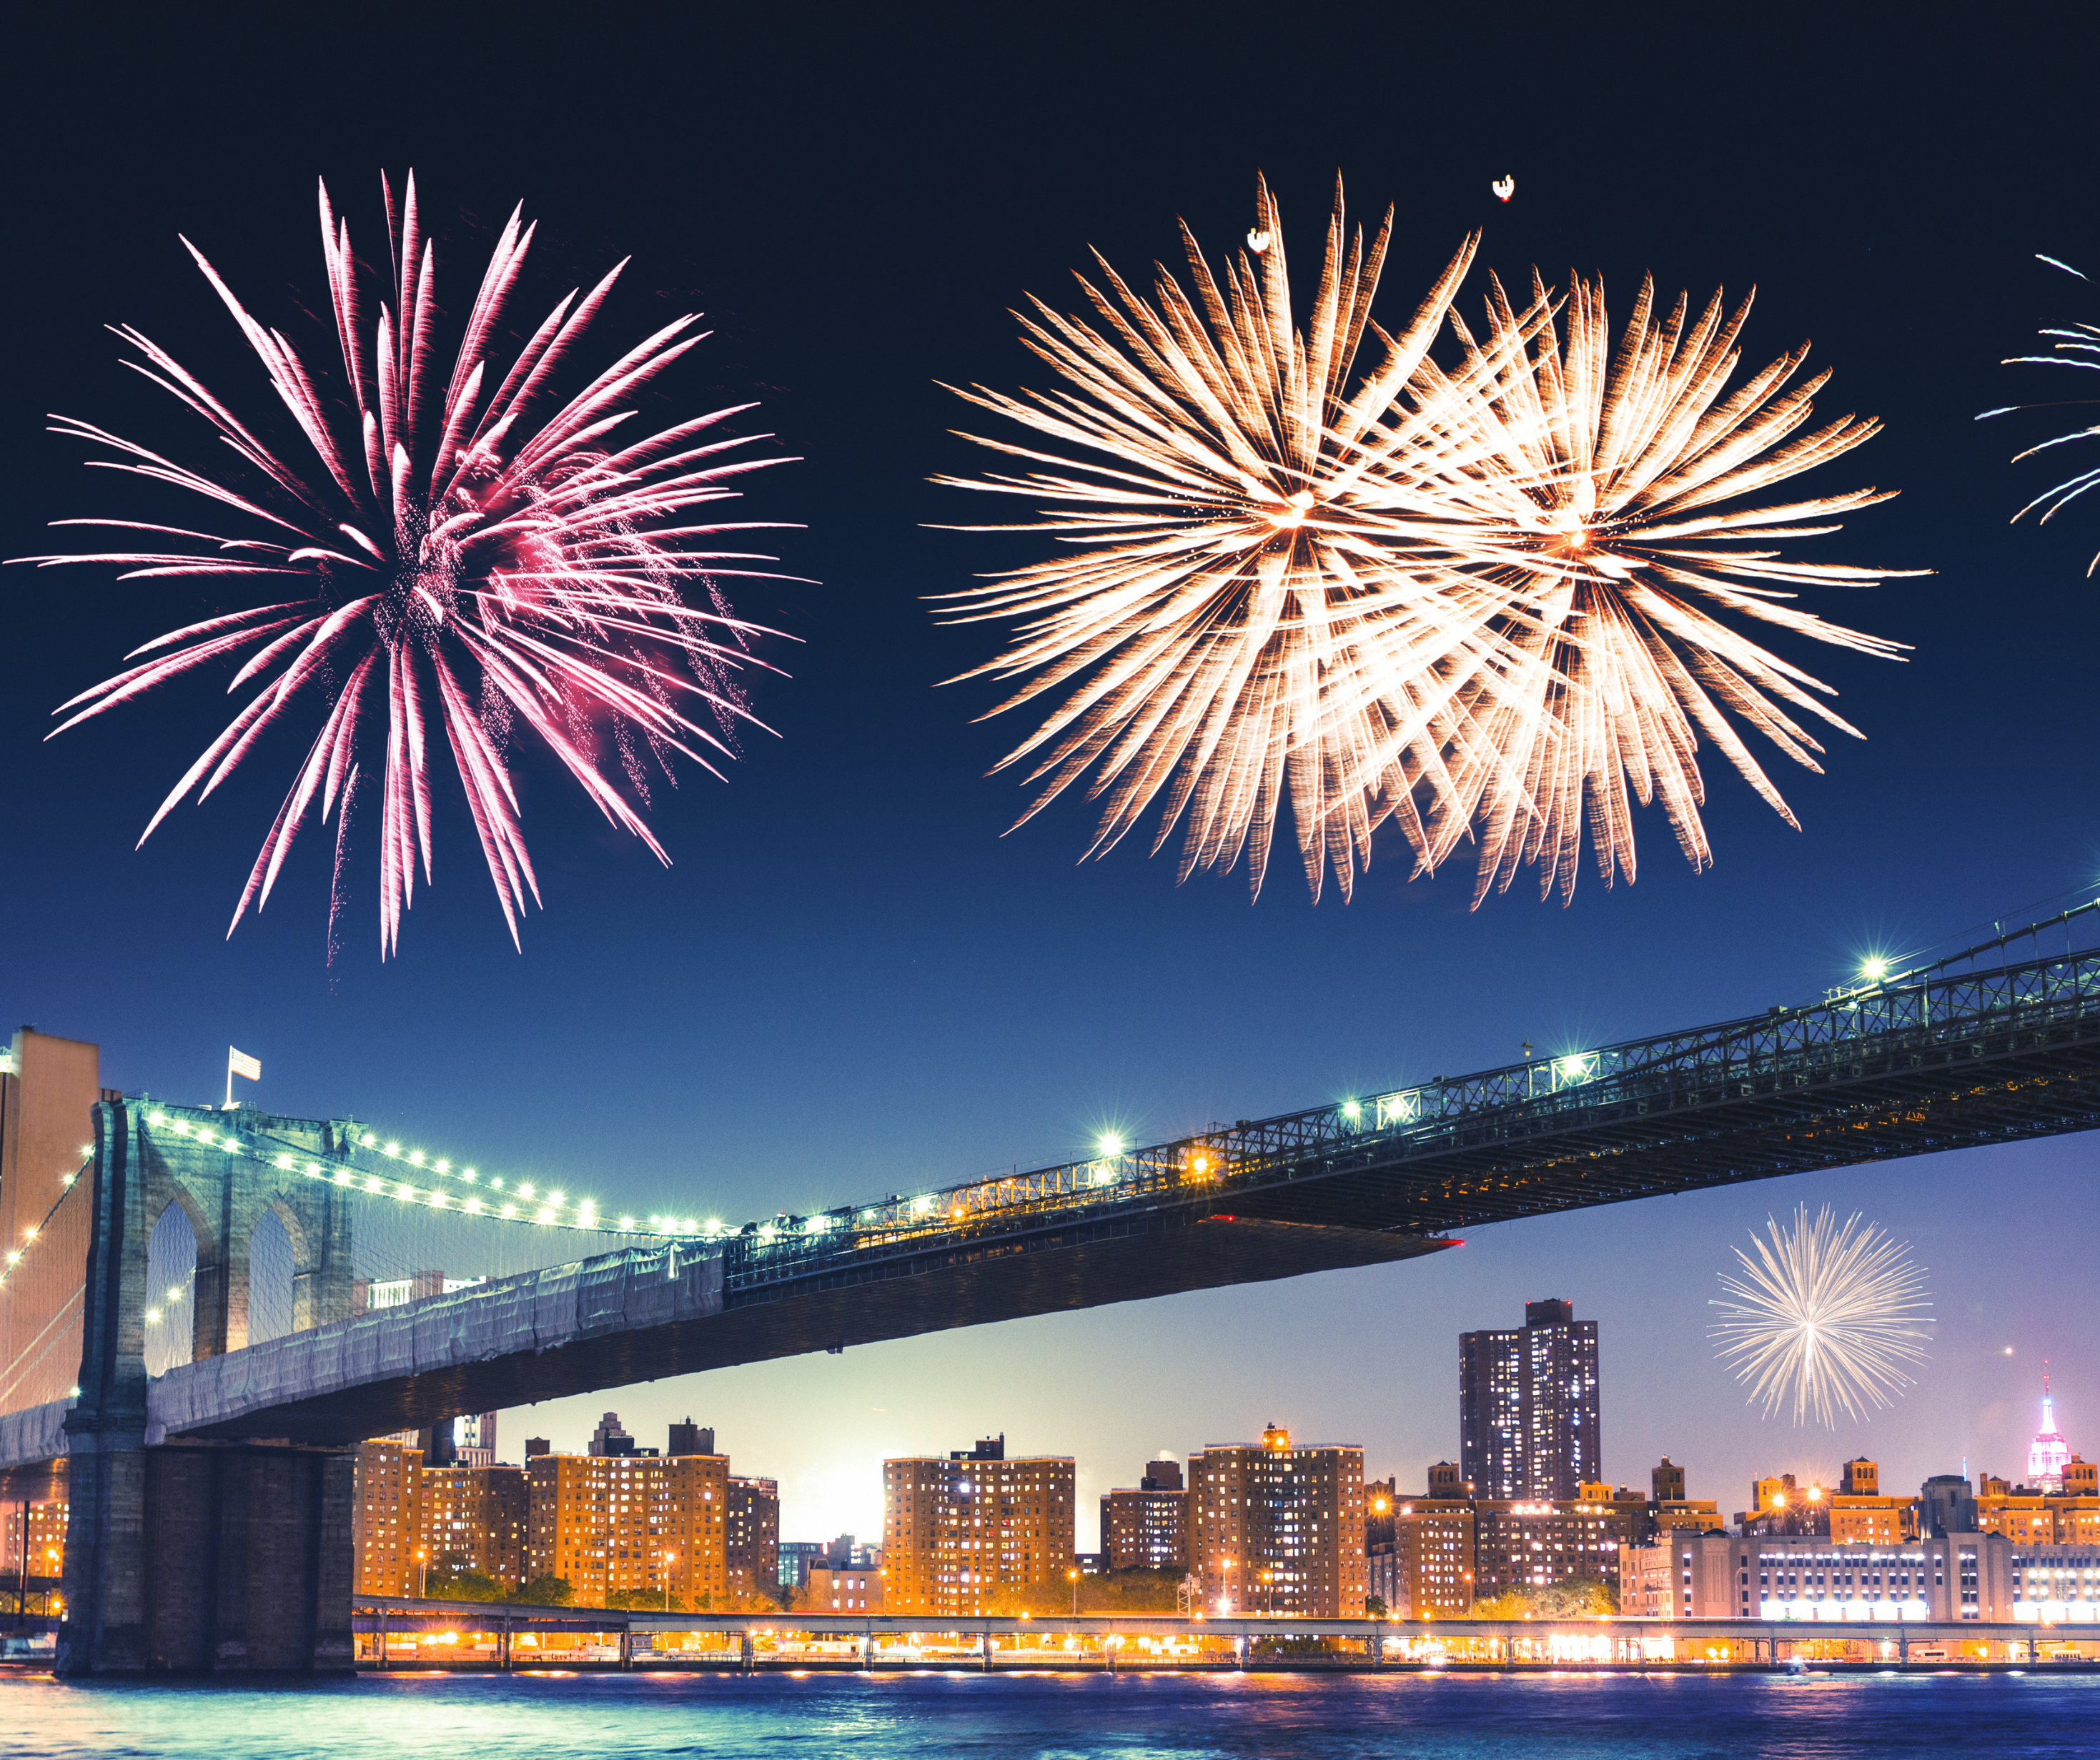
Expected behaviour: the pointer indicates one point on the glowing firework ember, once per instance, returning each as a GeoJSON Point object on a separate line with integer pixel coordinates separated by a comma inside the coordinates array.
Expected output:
{"type": "Point", "coordinates": [1826, 1318]}
{"type": "Point", "coordinates": [1476, 602]}
{"type": "Point", "coordinates": [447, 558]}
{"type": "Point", "coordinates": [2077, 346]}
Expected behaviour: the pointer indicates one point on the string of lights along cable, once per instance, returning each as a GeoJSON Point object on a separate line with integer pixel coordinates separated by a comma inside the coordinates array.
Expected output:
{"type": "Point", "coordinates": [492, 1198]}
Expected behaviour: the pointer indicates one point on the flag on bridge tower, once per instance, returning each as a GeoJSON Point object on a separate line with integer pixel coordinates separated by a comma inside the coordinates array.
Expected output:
{"type": "Point", "coordinates": [246, 1067]}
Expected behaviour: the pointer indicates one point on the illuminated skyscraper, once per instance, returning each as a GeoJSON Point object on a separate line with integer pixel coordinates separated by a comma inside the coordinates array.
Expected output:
{"type": "Point", "coordinates": [1528, 1406]}
{"type": "Point", "coordinates": [2047, 1454]}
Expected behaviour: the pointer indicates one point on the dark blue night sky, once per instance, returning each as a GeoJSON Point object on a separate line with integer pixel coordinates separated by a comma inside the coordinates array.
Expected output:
{"type": "Point", "coordinates": [851, 981]}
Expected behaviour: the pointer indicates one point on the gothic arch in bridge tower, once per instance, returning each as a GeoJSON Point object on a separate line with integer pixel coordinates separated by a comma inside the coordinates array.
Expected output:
{"type": "Point", "coordinates": [275, 1253]}
{"type": "Point", "coordinates": [227, 1197]}
{"type": "Point", "coordinates": [172, 1247]}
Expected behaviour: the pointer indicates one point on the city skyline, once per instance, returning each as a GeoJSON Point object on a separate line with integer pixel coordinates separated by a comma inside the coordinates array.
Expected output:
{"type": "Point", "coordinates": [2012, 1468]}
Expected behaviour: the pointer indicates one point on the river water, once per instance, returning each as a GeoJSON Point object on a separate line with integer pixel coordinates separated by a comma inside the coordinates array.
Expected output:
{"type": "Point", "coordinates": [1047, 1716]}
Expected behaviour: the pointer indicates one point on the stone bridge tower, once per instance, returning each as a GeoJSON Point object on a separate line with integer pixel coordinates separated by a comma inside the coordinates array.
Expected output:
{"type": "Point", "coordinates": [193, 1556]}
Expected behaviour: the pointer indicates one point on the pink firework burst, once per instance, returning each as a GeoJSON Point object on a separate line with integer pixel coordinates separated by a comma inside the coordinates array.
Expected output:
{"type": "Point", "coordinates": [463, 556]}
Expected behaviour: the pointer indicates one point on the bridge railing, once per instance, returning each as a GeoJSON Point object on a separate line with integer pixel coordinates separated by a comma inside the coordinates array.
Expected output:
{"type": "Point", "coordinates": [1933, 1018]}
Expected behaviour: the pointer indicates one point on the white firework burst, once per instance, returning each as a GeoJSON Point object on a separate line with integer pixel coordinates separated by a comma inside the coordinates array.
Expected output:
{"type": "Point", "coordinates": [1828, 1317]}
{"type": "Point", "coordinates": [2077, 345]}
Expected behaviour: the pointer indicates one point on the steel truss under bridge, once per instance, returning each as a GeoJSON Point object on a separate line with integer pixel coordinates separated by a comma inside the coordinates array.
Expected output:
{"type": "Point", "coordinates": [1931, 1060]}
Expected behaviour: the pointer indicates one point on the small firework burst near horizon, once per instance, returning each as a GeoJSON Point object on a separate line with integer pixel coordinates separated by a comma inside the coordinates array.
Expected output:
{"type": "Point", "coordinates": [2075, 345]}
{"type": "Point", "coordinates": [466, 560]}
{"type": "Point", "coordinates": [1826, 1317]}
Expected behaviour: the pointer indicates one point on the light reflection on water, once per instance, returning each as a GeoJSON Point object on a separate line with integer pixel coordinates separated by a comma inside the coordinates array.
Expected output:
{"type": "Point", "coordinates": [1054, 1717]}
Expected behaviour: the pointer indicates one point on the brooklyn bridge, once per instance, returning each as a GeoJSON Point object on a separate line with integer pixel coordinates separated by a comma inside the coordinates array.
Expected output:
{"type": "Point", "coordinates": [210, 1501]}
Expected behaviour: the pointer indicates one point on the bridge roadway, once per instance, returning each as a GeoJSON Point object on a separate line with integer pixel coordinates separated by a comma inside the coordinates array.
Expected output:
{"type": "Point", "coordinates": [1934, 1061]}
{"type": "Point", "coordinates": [407, 1616]}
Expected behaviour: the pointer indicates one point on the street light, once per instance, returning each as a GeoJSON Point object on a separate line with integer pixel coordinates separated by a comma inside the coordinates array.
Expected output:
{"type": "Point", "coordinates": [423, 1572]}
{"type": "Point", "coordinates": [669, 1558]}
{"type": "Point", "coordinates": [1073, 1577]}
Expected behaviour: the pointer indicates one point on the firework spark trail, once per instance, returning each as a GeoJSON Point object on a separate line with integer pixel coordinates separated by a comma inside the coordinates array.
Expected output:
{"type": "Point", "coordinates": [1476, 602]}
{"type": "Point", "coordinates": [1826, 1317]}
{"type": "Point", "coordinates": [465, 569]}
{"type": "Point", "coordinates": [1615, 495]}
{"type": "Point", "coordinates": [2078, 347]}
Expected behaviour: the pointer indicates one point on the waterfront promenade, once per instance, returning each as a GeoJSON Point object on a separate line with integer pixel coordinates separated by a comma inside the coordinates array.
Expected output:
{"type": "Point", "coordinates": [408, 1633]}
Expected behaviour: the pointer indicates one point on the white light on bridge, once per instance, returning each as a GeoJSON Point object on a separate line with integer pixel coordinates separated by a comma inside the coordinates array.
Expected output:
{"type": "Point", "coordinates": [1111, 1145]}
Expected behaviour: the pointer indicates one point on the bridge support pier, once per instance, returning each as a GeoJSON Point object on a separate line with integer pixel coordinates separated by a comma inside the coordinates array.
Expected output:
{"type": "Point", "coordinates": [230, 1558]}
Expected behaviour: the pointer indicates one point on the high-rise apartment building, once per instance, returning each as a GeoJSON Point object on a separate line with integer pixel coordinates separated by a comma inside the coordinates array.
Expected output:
{"type": "Point", "coordinates": [626, 1523]}
{"type": "Point", "coordinates": [1147, 1527]}
{"type": "Point", "coordinates": [386, 1518]}
{"type": "Point", "coordinates": [1535, 1543]}
{"type": "Point", "coordinates": [1528, 1406]}
{"type": "Point", "coordinates": [961, 1533]}
{"type": "Point", "coordinates": [1276, 1527]}
{"type": "Point", "coordinates": [476, 1515]}
{"type": "Point", "coordinates": [751, 1542]}
{"type": "Point", "coordinates": [1433, 1557]}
